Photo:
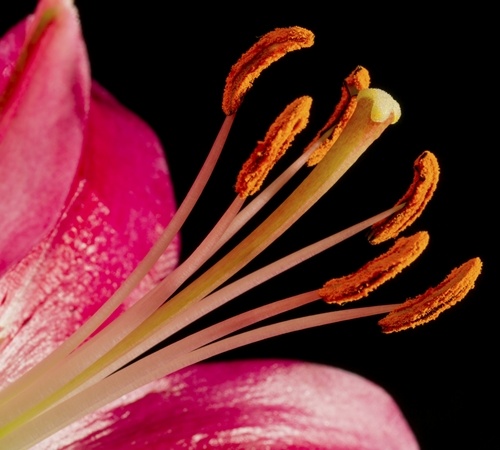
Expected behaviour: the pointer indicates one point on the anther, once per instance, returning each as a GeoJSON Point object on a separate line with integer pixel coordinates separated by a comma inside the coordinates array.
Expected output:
{"type": "Point", "coordinates": [376, 272]}
{"type": "Point", "coordinates": [434, 301]}
{"type": "Point", "coordinates": [277, 140]}
{"type": "Point", "coordinates": [268, 49]}
{"type": "Point", "coordinates": [426, 175]}
{"type": "Point", "coordinates": [358, 79]}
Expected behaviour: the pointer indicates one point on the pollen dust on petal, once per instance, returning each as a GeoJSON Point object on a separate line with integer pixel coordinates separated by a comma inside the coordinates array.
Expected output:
{"type": "Point", "coordinates": [426, 175]}
{"type": "Point", "coordinates": [277, 140]}
{"type": "Point", "coordinates": [376, 272]}
{"type": "Point", "coordinates": [435, 300]}
{"type": "Point", "coordinates": [358, 79]}
{"type": "Point", "coordinates": [268, 49]}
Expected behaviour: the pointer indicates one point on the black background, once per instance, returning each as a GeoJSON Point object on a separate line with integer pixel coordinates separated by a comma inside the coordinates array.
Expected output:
{"type": "Point", "coordinates": [170, 69]}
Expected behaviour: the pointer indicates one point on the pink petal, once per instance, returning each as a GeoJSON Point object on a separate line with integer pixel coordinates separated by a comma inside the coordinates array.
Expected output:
{"type": "Point", "coordinates": [253, 404]}
{"type": "Point", "coordinates": [43, 110]}
{"type": "Point", "coordinates": [121, 202]}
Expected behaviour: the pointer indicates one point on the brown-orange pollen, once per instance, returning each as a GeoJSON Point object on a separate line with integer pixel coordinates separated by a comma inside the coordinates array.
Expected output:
{"type": "Point", "coordinates": [434, 301]}
{"type": "Point", "coordinates": [277, 140]}
{"type": "Point", "coordinates": [358, 79]}
{"type": "Point", "coordinates": [268, 49]}
{"type": "Point", "coordinates": [376, 272]}
{"type": "Point", "coordinates": [426, 175]}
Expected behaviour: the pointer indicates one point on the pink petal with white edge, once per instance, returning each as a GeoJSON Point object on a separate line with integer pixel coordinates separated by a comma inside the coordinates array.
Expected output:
{"type": "Point", "coordinates": [247, 405]}
{"type": "Point", "coordinates": [44, 100]}
{"type": "Point", "coordinates": [120, 205]}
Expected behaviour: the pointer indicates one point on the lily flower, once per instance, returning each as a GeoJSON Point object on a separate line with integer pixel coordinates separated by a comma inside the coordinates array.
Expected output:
{"type": "Point", "coordinates": [88, 258]}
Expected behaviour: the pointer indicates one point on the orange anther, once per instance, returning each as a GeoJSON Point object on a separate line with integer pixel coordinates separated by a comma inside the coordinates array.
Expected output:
{"type": "Point", "coordinates": [373, 274]}
{"type": "Point", "coordinates": [269, 48]}
{"type": "Point", "coordinates": [358, 79]}
{"type": "Point", "coordinates": [278, 138]}
{"type": "Point", "coordinates": [426, 175]}
{"type": "Point", "coordinates": [434, 301]}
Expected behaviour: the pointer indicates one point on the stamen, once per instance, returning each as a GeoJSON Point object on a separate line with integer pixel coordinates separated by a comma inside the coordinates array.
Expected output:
{"type": "Point", "coordinates": [376, 110]}
{"type": "Point", "coordinates": [375, 273]}
{"type": "Point", "coordinates": [278, 138]}
{"type": "Point", "coordinates": [95, 347]}
{"type": "Point", "coordinates": [425, 178]}
{"type": "Point", "coordinates": [157, 365]}
{"type": "Point", "coordinates": [268, 49]}
{"type": "Point", "coordinates": [434, 301]}
{"type": "Point", "coordinates": [357, 80]}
